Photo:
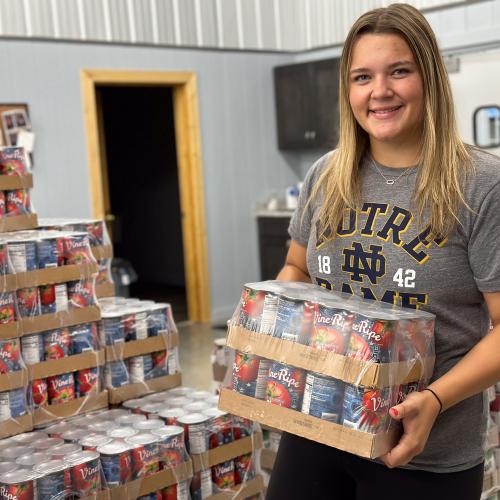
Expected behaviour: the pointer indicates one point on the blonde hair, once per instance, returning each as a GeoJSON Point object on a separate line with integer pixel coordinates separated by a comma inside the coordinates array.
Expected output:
{"type": "Point", "coordinates": [444, 159]}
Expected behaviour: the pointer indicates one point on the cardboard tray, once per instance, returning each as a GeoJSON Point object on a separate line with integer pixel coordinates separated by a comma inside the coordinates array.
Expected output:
{"type": "Point", "coordinates": [13, 380]}
{"type": "Point", "coordinates": [11, 330]}
{"type": "Point", "coordinates": [351, 440]}
{"type": "Point", "coordinates": [105, 290]}
{"type": "Point", "coordinates": [10, 182]}
{"type": "Point", "coordinates": [267, 459]}
{"type": "Point", "coordinates": [102, 252]}
{"type": "Point", "coordinates": [73, 316]}
{"type": "Point", "coordinates": [122, 350]}
{"type": "Point", "coordinates": [51, 413]}
{"type": "Point", "coordinates": [15, 426]}
{"type": "Point", "coordinates": [139, 487]}
{"type": "Point", "coordinates": [227, 452]}
{"type": "Point", "coordinates": [351, 371]}
{"type": "Point", "coordinates": [18, 222]}
{"type": "Point", "coordinates": [131, 391]}
{"type": "Point", "coordinates": [242, 491]}
{"type": "Point", "coordinates": [67, 364]}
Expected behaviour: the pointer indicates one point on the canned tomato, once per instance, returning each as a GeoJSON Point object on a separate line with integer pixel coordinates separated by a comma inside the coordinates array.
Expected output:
{"type": "Point", "coordinates": [177, 491]}
{"type": "Point", "coordinates": [13, 161]}
{"type": "Point", "coordinates": [244, 469]}
{"type": "Point", "coordinates": [223, 475]}
{"type": "Point", "coordinates": [87, 381]}
{"type": "Point", "coordinates": [22, 255]}
{"type": "Point", "coordinates": [54, 480]}
{"type": "Point", "coordinates": [111, 329]}
{"type": "Point", "coordinates": [32, 459]}
{"type": "Point", "coordinates": [10, 355]}
{"type": "Point", "coordinates": [116, 374]}
{"type": "Point", "coordinates": [179, 401]}
{"type": "Point", "coordinates": [113, 414]}
{"type": "Point", "coordinates": [157, 320]}
{"type": "Point", "coordinates": [148, 425]}
{"type": "Point", "coordinates": [196, 407]}
{"type": "Point", "coordinates": [28, 437]}
{"type": "Point", "coordinates": [18, 484]}
{"type": "Point", "coordinates": [92, 442]}
{"type": "Point", "coordinates": [57, 344]}
{"type": "Point", "coordinates": [242, 427]}
{"type": "Point", "coordinates": [251, 307]}
{"type": "Point", "coordinates": [17, 202]}
{"type": "Point", "coordinates": [133, 405]}
{"type": "Point", "coordinates": [102, 426]}
{"type": "Point", "coordinates": [180, 391]}
{"type": "Point", "coordinates": [366, 409]}
{"type": "Point", "coordinates": [61, 388]}
{"type": "Point", "coordinates": [151, 409]}
{"type": "Point", "coordinates": [331, 329]}
{"type": "Point", "coordinates": [4, 252]}
{"type": "Point", "coordinates": [195, 426]}
{"type": "Point", "coordinates": [140, 368]}
{"type": "Point", "coordinates": [14, 452]}
{"type": "Point", "coordinates": [7, 307]}
{"type": "Point", "coordinates": [220, 427]}
{"type": "Point", "coordinates": [170, 415]}
{"type": "Point", "coordinates": [28, 302]}
{"type": "Point", "coordinates": [6, 467]}
{"type": "Point", "coordinates": [323, 397]}
{"type": "Point", "coordinates": [200, 395]}
{"type": "Point", "coordinates": [171, 445]}
{"type": "Point", "coordinates": [201, 485]}
{"type": "Point", "coordinates": [294, 319]}
{"type": "Point", "coordinates": [130, 419]}
{"type": "Point", "coordinates": [46, 443]}
{"type": "Point", "coordinates": [250, 373]}
{"type": "Point", "coordinates": [3, 209]}
{"type": "Point", "coordinates": [145, 454]}
{"type": "Point", "coordinates": [285, 386]}
{"type": "Point", "coordinates": [47, 252]}
{"type": "Point", "coordinates": [85, 470]}
{"type": "Point", "coordinates": [68, 448]}
{"type": "Point", "coordinates": [53, 298]}
{"type": "Point", "coordinates": [74, 435]}
{"type": "Point", "coordinates": [81, 293]}
{"type": "Point", "coordinates": [57, 429]}
{"type": "Point", "coordinates": [116, 463]}
{"type": "Point", "coordinates": [160, 367]}
{"type": "Point", "coordinates": [122, 432]}
{"type": "Point", "coordinates": [33, 349]}
{"type": "Point", "coordinates": [39, 392]}
{"type": "Point", "coordinates": [77, 249]}
{"type": "Point", "coordinates": [84, 338]}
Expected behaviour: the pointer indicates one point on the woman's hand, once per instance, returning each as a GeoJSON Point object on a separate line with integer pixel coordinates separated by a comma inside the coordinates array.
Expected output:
{"type": "Point", "coordinates": [418, 413]}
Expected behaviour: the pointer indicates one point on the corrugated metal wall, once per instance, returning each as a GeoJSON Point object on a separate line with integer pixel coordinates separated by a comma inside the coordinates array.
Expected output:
{"type": "Point", "coordinates": [288, 25]}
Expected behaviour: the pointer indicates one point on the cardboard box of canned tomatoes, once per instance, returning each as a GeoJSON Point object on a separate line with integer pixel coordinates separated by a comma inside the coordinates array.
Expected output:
{"type": "Point", "coordinates": [324, 365]}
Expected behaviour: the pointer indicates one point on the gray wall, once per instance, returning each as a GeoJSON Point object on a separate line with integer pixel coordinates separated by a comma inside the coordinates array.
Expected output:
{"type": "Point", "coordinates": [240, 159]}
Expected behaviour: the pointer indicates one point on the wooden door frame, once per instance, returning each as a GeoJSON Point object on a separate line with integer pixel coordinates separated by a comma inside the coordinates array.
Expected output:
{"type": "Point", "coordinates": [191, 186]}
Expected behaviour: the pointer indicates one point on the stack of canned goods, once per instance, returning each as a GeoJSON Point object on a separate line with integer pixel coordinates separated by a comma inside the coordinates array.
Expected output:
{"type": "Point", "coordinates": [346, 326]}
{"type": "Point", "coordinates": [125, 320]}
{"type": "Point", "coordinates": [13, 161]}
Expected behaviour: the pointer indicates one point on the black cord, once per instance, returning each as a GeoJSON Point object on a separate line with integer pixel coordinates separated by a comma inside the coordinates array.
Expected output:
{"type": "Point", "coordinates": [437, 397]}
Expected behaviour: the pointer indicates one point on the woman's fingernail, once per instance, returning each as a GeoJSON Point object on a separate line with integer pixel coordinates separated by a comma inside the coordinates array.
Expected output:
{"type": "Point", "coordinates": [395, 412]}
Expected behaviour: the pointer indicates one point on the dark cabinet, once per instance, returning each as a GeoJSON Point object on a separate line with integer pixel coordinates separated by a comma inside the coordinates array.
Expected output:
{"type": "Point", "coordinates": [307, 110]}
{"type": "Point", "coordinates": [273, 245]}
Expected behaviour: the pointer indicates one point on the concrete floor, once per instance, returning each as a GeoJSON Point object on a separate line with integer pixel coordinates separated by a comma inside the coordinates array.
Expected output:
{"type": "Point", "coordinates": [196, 347]}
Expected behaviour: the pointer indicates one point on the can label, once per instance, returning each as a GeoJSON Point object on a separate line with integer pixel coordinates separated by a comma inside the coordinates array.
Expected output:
{"type": "Point", "coordinates": [323, 397]}
{"type": "Point", "coordinates": [47, 253]}
{"type": "Point", "coordinates": [371, 340]}
{"type": "Point", "coordinates": [86, 477]}
{"type": "Point", "coordinates": [160, 367]}
{"type": "Point", "coordinates": [86, 381]}
{"type": "Point", "coordinates": [13, 161]}
{"type": "Point", "coordinates": [251, 307]}
{"type": "Point", "coordinates": [250, 374]}
{"type": "Point", "coordinates": [57, 344]}
{"type": "Point", "coordinates": [285, 386]}
{"type": "Point", "coordinates": [220, 431]}
{"type": "Point", "coordinates": [294, 320]}
{"type": "Point", "coordinates": [172, 450]}
{"type": "Point", "coordinates": [242, 427]}
{"type": "Point", "coordinates": [111, 331]}
{"type": "Point", "coordinates": [145, 460]}
{"type": "Point", "coordinates": [81, 293]}
{"type": "Point", "coordinates": [172, 356]}
{"type": "Point", "coordinates": [33, 349]}
{"type": "Point", "coordinates": [269, 312]}
{"type": "Point", "coordinates": [53, 298]}
{"type": "Point", "coordinates": [7, 308]}
{"type": "Point", "coordinates": [195, 437]}
{"type": "Point", "coordinates": [178, 491]}
{"type": "Point", "coordinates": [10, 355]}
{"type": "Point", "coordinates": [18, 491]}
{"type": "Point", "coordinates": [116, 374]}
{"type": "Point", "coordinates": [223, 475]}
{"type": "Point", "coordinates": [28, 302]}
{"type": "Point", "coordinates": [18, 202]}
{"type": "Point", "coordinates": [201, 485]}
{"type": "Point", "coordinates": [40, 392]}
{"type": "Point", "coordinates": [331, 329]}
{"type": "Point", "coordinates": [157, 322]}
{"type": "Point", "coordinates": [4, 406]}
{"type": "Point", "coordinates": [84, 338]}
{"type": "Point", "coordinates": [17, 402]}
{"type": "Point", "coordinates": [61, 388]}
{"type": "Point", "coordinates": [52, 485]}
{"type": "Point", "coordinates": [366, 409]}
{"type": "Point", "coordinates": [117, 468]}
{"type": "Point", "coordinates": [244, 469]}
{"type": "Point", "coordinates": [140, 368]}
{"type": "Point", "coordinates": [77, 249]}
{"type": "Point", "coordinates": [23, 256]}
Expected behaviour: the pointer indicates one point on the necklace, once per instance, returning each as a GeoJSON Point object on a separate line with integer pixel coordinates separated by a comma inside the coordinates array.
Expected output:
{"type": "Point", "coordinates": [389, 182]}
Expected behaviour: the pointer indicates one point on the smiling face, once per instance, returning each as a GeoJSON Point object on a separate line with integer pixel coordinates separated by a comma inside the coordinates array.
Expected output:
{"type": "Point", "coordinates": [386, 92]}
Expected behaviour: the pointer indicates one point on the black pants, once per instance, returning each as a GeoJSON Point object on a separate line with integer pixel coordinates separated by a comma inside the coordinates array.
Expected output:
{"type": "Point", "coordinates": [305, 470]}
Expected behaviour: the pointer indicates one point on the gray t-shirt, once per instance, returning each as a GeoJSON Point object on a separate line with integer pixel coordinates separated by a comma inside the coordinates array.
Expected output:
{"type": "Point", "coordinates": [381, 253]}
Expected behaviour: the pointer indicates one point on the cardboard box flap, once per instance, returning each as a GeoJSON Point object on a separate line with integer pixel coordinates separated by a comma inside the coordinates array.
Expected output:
{"type": "Point", "coordinates": [18, 222]}
{"type": "Point", "coordinates": [52, 275]}
{"type": "Point", "coordinates": [242, 491]}
{"type": "Point", "coordinates": [8, 283]}
{"type": "Point", "coordinates": [73, 316]}
{"type": "Point", "coordinates": [227, 452]}
{"type": "Point", "coordinates": [11, 330]}
{"type": "Point", "coordinates": [352, 371]}
{"type": "Point", "coordinates": [67, 364]}
{"type": "Point", "coordinates": [102, 252]}
{"type": "Point", "coordinates": [51, 413]}
{"type": "Point", "coordinates": [122, 350]}
{"type": "Point", "coordinates": [15, 426]}
{"type": "Point", "coordinates": [105, 290]}
{"type": "Point", "coordinates": [13, 380]}
{"type": "Point", "coordinates": [11, 182]}
{"type": "Point", "coordinates": [267, 459]}
{"type": "Point", "coordinates": [351, 440]}
{"type": "Point", "coordinates": [131, 391]}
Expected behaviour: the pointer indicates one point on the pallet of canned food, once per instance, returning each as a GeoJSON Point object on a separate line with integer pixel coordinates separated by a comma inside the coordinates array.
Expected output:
{"type": "Point", "coordinates": [100, 244]}
{"type": "Point", "coordinates": [223, 447]}
{"type": "Point", "coordinates": [326, 366]}
{"type": "Point", "coordinates": [16, 181]}
{"type": "Point", "coordinates": [46, 295]}
{"type": "Point", "coordinates": [141, 345]}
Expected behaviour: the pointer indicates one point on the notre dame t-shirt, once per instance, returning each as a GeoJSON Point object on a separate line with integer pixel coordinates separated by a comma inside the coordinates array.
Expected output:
{"type": "Point", "coordinates": [381, 252]}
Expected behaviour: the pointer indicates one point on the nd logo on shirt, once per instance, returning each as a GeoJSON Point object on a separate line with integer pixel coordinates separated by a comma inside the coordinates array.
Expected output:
{"type": "Point", "coordinates": [363, 262]}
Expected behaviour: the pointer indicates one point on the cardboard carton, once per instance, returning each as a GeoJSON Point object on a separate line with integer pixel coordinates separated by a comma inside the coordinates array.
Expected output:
{"type": "Point", "coordinates": [11, 182]}
{"type": "Point", "coordinates": [122, 350]}
{"type": "Point", "coordinates": [13, 380]}
{"type": "Point", "coordinates": [351, 440]}
{"type": "Point", "coordinates": [102, 252]}
{"type": "Point", "coordinates": [11, 330]}
{"type": "Point", "coordinates": [105, 290]}
{"type": "Point", "coordinates": [351, 371]}
{"type": "Point", "coordinates": [18, 222]}
{"type": "Point", "coordinates": [242, 491]}
{"type": "Point", "coordinates": [15, 426]}
{"type": "Point", "coordinates": [267, 459]}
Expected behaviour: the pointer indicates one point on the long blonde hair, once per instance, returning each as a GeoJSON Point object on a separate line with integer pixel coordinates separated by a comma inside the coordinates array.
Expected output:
{"type": "Point", "coordinates": [444, 159]}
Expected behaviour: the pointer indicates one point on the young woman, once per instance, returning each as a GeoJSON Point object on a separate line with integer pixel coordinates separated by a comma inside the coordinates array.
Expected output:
{"type": "Point", "coordinates": [403, 211]}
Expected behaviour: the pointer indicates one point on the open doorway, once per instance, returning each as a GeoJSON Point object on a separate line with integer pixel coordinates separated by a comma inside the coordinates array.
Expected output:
{"type": "Point", "coordinates": [139, 135]}
{"type": "Point", "coordinates": [146, 177]}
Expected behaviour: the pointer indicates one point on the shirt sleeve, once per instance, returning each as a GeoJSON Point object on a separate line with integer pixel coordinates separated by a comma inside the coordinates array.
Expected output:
{"type": "Point", "coordinates": [484, 249]}
{"type": "Point", "coordinates": [300, 224]}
